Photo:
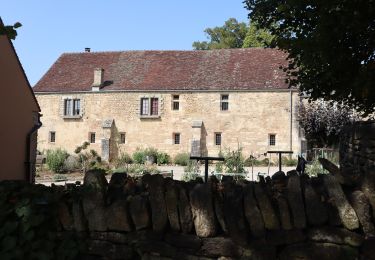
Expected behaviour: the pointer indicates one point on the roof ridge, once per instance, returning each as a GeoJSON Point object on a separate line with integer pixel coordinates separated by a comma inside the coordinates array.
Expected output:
{"type": "Point", "coordinates": [122, 51]}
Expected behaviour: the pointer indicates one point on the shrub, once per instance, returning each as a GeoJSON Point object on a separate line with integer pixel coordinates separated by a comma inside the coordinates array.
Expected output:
{"type": "Point", "coordinates": [87, 160]}
{"type": "Point", "coordinates": [123, 160]}
{"type": "Point", "coordinates": [234, 161]}
{"type": "Point", "coordinates": [59, 177]}
{"type": "Point", "coordinates": [71, 163]}
{"type": "Point", "coordinates": [289, 161]}
{"type": "Point", "coordinates": [189, 176]}
{"type": "Point", "coordinates": [55, 160]}
{"type": "Point", "coordinates": [139, 156]}
{"type": "Point", "coordinates": [182, 159]}
{"type": "Point", "coordinates": [163, 158]}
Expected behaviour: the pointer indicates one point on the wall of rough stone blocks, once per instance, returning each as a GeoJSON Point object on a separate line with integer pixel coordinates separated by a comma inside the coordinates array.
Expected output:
{"type": "Point", "coordinates": [252, 116]}
{"type": "Point", "coordinates": [357, 148]}
{"type": "Point", "coordinates": [286, 217]}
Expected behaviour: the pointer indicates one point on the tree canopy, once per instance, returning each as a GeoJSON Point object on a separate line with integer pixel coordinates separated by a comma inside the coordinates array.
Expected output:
{"type": "Point", "coordinates": [323, 121]}
{"type": "Point", "coordinates": [9, 30]}
{"type": "Point", "coordinates": [234, 34]}
{"type": "Point", "coordinates": [331, 46]}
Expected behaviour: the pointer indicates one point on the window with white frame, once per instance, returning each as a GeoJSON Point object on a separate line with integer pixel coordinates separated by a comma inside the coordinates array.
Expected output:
{"type": "Point", "coordinates": [149, 106]}
{"type": "Point", "coordinates": [176, 102]}
{"type": "Point", "coordinates": [72, 107]}
{"type": "Point", "coordinates": [224, 102]}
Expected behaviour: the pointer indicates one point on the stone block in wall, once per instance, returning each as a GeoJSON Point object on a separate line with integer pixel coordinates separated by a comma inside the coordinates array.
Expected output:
{"type": "Point", "coordinates": [345, 210]}
{"type": "Point", "coordinates": [118, 217]}
{"type": "Point", "coordinates": [219, 209]}
{"type": "Point", "coordinates": [139, 212]}
{"type": "Point", "coordinates": [110, 250]}
{"type": "Point", "coordinates": [234, 213]}
{"type": "Point", "coordinates": [220, 246]}
{"type": "Point", "coordinates": [362, 207]}
{"type": "Point", "coordinates": [201, 202]}
{"type": "Point", "coordinates": [157, 248]}
{"type": "Point", "coordinates": [252, 212]}
{"type": "Point", "coordinates": [172, 200]}
{"type": "Point", "coordinates": [156, 189]}
{"type": "Point", "coordinates": [271, 222]}
{"type": "Point", "coordinates": [184, 209]}
{"type": "Point", "coordinates": [285, 237]}
{"type": "Point", "coordinates": [295, 200]}
{"type": "Point", "coordinates": [183, 241]}
{"type": "Point", "coordinates": [116, 186]}
{"type": "Point", "coordinates": [316, 210]}
{"type": "Point", "coordinates": [284, 212]}
{"type": "Point", "coordinates": [335, 235]}
{"type": "Point", "coordinates": [79, 221]}
{"type": "Point", "coordinates": [321, 251]}
{"type": "Point", "coordinates": [65, 217]}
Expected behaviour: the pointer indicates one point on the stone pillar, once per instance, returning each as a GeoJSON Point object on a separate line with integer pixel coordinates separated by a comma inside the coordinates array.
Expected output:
{"type": "Point", "coordinates": [196, 138]}
{"type": "Point", "coordinates": [106, 139]}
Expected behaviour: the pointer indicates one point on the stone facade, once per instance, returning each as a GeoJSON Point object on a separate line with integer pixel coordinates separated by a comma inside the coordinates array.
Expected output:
{"type": "Point", "coordinates": [252, 116]}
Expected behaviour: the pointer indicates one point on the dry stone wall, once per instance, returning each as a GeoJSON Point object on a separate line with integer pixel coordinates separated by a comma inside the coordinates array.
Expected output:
{"type": "Point", "coordinates": [284, 217]}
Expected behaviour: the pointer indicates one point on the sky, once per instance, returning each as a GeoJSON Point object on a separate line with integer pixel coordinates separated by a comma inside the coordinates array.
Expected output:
{"type": "Point", "coordinates": [50, 28]}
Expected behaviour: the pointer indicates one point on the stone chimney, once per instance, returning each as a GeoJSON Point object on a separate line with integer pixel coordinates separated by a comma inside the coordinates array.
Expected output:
{"type": "Point", "coordinates": [98, 79]}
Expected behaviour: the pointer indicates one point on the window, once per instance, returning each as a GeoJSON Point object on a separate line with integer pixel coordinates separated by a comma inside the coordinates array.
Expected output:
{"type": "Point", "coordinates": [272, 139]}
{"type": "Point", "coordinates": [92, 138]}
{"type": "Point", "coordinates": [176, 138]}
{"type": "Point", "coordinates": [217, 138]}
{"type": "Point", "coordinates": [149, 106]}
{"type": "Point", "coordinates": [72, 107]}
{"type": "Point", "coordinates": [176, 102]}
{"type": "Point", "coordinates": [224, 102]}
{"type": "Point", "coordinates": [122, 138]}
{"type": "Point", "coordinates": [52, 137]}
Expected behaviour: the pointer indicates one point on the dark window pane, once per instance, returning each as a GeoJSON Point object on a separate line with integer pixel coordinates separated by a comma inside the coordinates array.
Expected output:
{"type": "Point", "coordinates": [176, 138]}
{"type": "Point", "coordinates": [176, 105]}
{"type": "Point", "coordinates": [92, 138]}
{"type": "Point", "coordinates": [67, 107]}
{"type": "Point", "coordinates": [76, 107]}
{"type": "Point", "coordinates": [272, 140]}
{"type": "Point", "coordinates": [224, 106]}
{"type": "Point", "coordinates": [224, 97]}
{"type": "Point", "coordinates": [217, 138]}
{"type": "Point", "coordinates": [154, 106]}
{"type": "Point", "coordinates": [52, 137]}
{"type": "Point", "coordinates": [122, 138]}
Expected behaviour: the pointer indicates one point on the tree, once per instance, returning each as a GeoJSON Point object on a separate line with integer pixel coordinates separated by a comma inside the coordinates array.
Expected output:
{"type": "Point", "coordinates": [9, 30]}
{"type": "Point", "coordinates": [331, 46]}
{"type": "Point", "coordinates": [234, 35]}
{"type": "Point", "coordinates": [323, 121]}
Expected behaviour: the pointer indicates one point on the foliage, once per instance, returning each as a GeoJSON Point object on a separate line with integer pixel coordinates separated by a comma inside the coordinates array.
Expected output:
{"type": "Point", "coordinates": [10, 30]}
{"type": "Point", "coordinates": [55, 160]}
{"type": "Point", "coordinates": [233, 34]}
{"type": "Point", "coordinates": [182, 159]}
{"type": "Point", "coordinates": [189, 176]}
{"type": "Point", "coordinates": [163, 158]}
{"type": "Point", "coordinates": [140, 169]}
{"type": "Point", "coordinates": [288, 161]}
{"type": "Point", "coordinates": [59, 177]}
{"type": "Point", "coordinates": [330, 45]}
{"type": "Point", "coordinates": [256, 37]}
{"type": "Point", "coordinates": [123, 160]}
{"type": "Point", "coordinates": [71, 163]}
{"type": "Point", "coordinates": [314, 168]}
{"type": "Point", "coordinates": [139, 156]}
{"type": "Point", "coordinates": [234, 161]}
{"type": "Point", "coordinates": [28, 215]}
{"type": "Point", "coordinates": [87, 160]}
{"type": "Point", "coordinates": [191, 171]}
{"type": "Point", "coordinates": [323, 121]}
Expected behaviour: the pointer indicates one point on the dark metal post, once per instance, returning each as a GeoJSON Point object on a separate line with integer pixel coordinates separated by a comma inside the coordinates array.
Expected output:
{"type": "Point", "coordinates": [280, 162]}
{"type": "Point", "coordinates": [205, 170]}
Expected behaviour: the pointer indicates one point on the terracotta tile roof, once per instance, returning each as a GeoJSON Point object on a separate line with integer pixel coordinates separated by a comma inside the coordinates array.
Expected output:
{"type": "Point", "coordinates": [225, 69]}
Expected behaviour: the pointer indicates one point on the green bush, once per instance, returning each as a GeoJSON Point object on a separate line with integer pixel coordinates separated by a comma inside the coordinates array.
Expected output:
{"type": "Point", "coordinates": [234, 161]}
{"type": "Point", "coordinates": [189, 176]}
{"type": "Point", "coordinates": [55, 160]}
{"type": "Point", "coordinates": [163, 158]}
{"type": "Point", "coordinates": [285, 161]}
{"type": "Point", "coordinates": [182, 159]}
{"type": "Point", "coordinates": [59, 177]}
{"type": "Point", "coordinates": [139, 156]}
{"type": "Point", "coordinates": [123, 160]}
{"type": "Point", "coordinates": [71, 163]}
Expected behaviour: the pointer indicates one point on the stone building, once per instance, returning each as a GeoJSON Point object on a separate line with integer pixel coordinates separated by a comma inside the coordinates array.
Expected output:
{"type": "Point", "coordinates": [175, 101]}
